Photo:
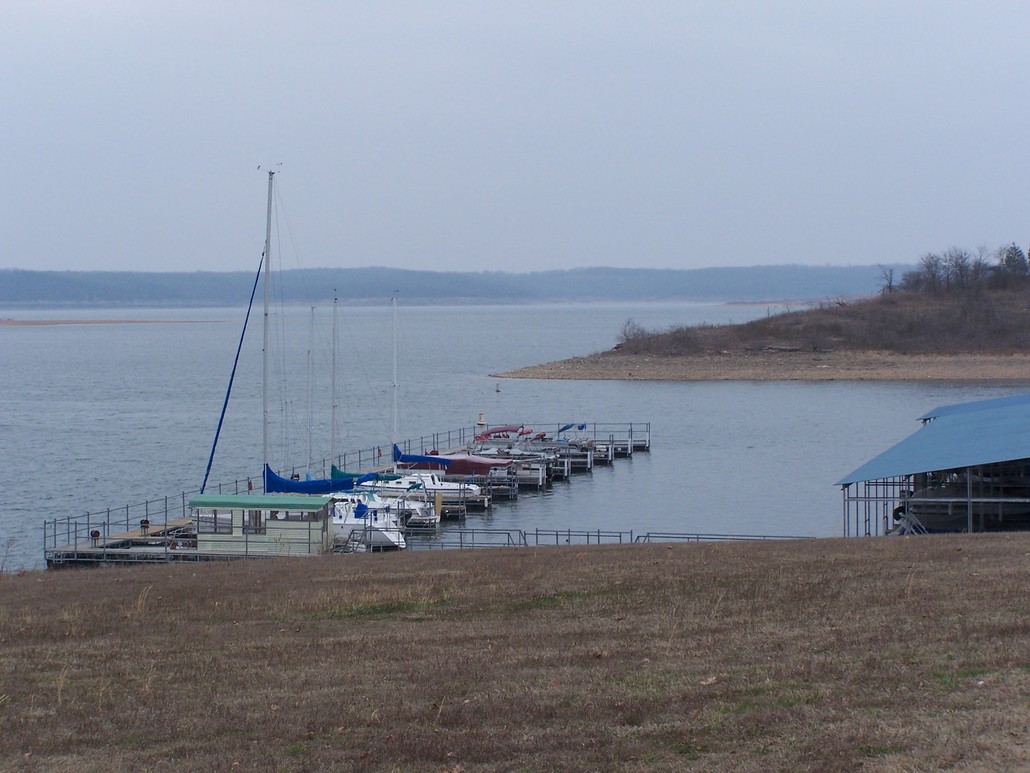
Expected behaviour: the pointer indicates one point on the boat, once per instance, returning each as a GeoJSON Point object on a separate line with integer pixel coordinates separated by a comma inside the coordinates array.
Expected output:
{"type": "Point", "coordinates": [257, 525]}
{"type": "Point", "coordinates": [463, 464]}
{"type": "Point", "coordinates": [503, 432]}
{"type": "Point", "coordinates": [992, 498]}
{"type": "Point", "coordinates": [423, 480]}
{"type": "Point", "coordinates": [292, 516]}
{"type": "Point", "coordinates": [537, 457]}
{"type": "Point", "coordinates": [530, 468]}
{"type": "Point", "coordinates": [520, 437]}
{"type": "Point", "coordinates": [361, 520]}
{"type": "Point", "coordinates": [277, 484]}
{"type": "Point", "coordinates": [310, 485]}
{"type": "Point", "coordinates": [417, 512]}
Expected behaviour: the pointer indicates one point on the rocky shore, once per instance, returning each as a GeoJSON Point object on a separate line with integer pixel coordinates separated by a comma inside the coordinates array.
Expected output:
{"type": "Point", "coordinates": [784, 365]}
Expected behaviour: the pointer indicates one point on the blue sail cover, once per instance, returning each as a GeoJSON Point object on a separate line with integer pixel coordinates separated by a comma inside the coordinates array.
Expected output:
{"type": "Point", "coordinates": [400, 458]}
{"type": "Point", "coordinates": [278, 484]}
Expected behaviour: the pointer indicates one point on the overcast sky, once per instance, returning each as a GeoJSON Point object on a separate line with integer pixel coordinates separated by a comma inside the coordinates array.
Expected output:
{"type": "Point", "coordinates": [511, 136]}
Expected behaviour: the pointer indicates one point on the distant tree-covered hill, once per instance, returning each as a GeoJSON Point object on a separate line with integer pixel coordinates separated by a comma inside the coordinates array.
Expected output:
{"type": "Point", "coordinates": [137, 288]}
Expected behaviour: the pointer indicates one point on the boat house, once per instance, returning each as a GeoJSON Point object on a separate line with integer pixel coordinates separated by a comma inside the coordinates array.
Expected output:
{"type": "Point", "coordinates": [966, 469]}
{"type": "Point", "coordinates": [261, 524]}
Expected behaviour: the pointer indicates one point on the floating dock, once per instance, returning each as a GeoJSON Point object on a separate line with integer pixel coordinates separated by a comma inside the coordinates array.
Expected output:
{"type": "Point", "coordinates": [90, 543]}
{"type": "Point", "coordinates": [166, 530]}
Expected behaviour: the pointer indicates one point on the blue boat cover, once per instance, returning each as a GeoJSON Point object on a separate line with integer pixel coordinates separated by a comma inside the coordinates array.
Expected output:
{"type": "Point", "coordinates": [277, 483]}
{"type": "Point", "coordinates": [400, 458]}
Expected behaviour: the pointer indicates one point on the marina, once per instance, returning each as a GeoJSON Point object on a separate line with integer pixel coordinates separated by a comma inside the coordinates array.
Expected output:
{"type": "Point", "coordinates": [286, 512]}
{"type": "Point", "coordinates": [731, 458]}
{"type": "Point", "coordinates": [240, 520]}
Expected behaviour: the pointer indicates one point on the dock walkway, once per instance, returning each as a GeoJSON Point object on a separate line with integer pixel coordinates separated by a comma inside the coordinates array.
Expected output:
{"type": "Point", "coordinates": [146, 542]}
{"type": "Point", "coordinates": [164, 529]}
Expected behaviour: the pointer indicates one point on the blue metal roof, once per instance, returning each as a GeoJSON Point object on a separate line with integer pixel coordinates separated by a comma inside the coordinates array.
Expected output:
{"type": "Point", "coordinates": [976, 405]}
{"type": "Point", "coordinates": [963, 435]}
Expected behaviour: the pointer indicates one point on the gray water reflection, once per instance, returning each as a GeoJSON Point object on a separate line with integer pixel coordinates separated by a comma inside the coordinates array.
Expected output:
{"type": "Point", "coordinates": [93, 417]}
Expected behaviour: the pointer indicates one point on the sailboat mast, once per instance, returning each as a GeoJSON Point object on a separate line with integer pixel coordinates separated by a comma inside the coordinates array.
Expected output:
{"type": "Point", "coordinates": [264, 346]}
{"type": "Point", "coordinates": [332, 414]}
{"type": "Point", "coordinates": [393, 427]}
{"type": "Point", "coordinates": [311, 386]}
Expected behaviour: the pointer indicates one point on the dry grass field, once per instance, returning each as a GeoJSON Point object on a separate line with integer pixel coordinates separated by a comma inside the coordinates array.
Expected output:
{"type": "Point", "coordinates": [887, 654]}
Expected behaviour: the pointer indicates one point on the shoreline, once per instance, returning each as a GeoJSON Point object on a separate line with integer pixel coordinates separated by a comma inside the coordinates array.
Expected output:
{"type": "Point", "coordinates": [780, 365]}
{"type": "Point", "coordinates": [53, 322]}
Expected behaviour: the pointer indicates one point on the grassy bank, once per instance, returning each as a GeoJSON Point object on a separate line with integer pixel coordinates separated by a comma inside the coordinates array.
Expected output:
{"type": "Point", "coordinates": [886, 654]}
{"type": "Point", "coordinates": [975, 335]}
{"type": "Point", "coordinates": [978, 321]}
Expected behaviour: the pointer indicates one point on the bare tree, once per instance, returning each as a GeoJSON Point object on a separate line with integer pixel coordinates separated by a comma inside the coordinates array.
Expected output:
{"type": "Point", "coordinates": [931, 268]}
{"type": "Point", "coordinates": [887, 275]}
{"type": "Point", "coordinates": [631, 332]}
{"type": "Point", "coordinates": [980, 267]}
{"type": "Point", "coordinates": [957, 267]}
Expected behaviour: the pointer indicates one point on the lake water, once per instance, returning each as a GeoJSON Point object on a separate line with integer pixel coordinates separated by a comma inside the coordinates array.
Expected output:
{"type": "Point", "coordinates": [100, 416]}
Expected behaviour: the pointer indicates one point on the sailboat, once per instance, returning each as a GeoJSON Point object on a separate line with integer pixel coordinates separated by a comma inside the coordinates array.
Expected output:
{"type": "Point", "coordinates": [412, 494]}
{"type": "Point", "coordinates": [361, 520]}
{"type": "Point", "coordinates": [252, 524]}
{"type": "Point", "coordinates": [358, 518]}
{"type": "Point", "coordinates": [274, 483]}
{"type": "Point", "coordinates": [453, 464]}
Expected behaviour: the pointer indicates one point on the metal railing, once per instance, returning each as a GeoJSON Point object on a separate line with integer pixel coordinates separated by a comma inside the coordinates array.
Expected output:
{"type": "Point", "coordinates": [78, 528]}
{"type": "Point", "coordinates": [672, 537]}
{"type": "Point", "coordinates": [434, 539]}
{"type": "Point", "coordinates": [416, 539]}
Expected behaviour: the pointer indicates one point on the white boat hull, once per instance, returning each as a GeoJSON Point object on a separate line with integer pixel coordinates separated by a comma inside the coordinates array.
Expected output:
{"type": "Point", "coordinates": [376, 527]}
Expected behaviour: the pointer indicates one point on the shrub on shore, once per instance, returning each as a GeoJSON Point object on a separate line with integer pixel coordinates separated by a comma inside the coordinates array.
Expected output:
{"type": "Point", "coordinates": [989, 321]}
